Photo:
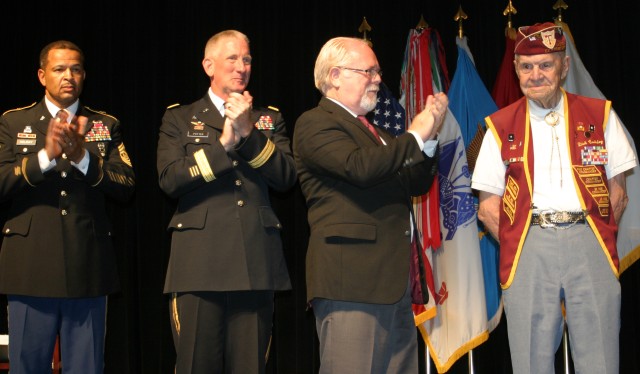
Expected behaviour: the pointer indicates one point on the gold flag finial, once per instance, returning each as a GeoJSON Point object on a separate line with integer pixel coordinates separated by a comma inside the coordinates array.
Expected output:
{"type": "Point", "coordinates": [364, 27]}
{"type": "Point", "coordinates": [559, 6]}
{"type": "Point", "coordinates": [509, 30]}
{"type": "Point", "coordinates": [422, 24]}
{"type": "Point", "coordinates": [460, 15]}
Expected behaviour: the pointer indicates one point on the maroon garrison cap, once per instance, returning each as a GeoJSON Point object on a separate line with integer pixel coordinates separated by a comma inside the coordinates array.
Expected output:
{"type": "Point", "coordinates": [539, 39]}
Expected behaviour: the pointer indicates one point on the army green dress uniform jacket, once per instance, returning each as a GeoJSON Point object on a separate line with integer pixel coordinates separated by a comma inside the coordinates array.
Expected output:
{"type": "Point", "coordinates": [225, 235]}
{"type": "Point", "coordinates": [57, 237]}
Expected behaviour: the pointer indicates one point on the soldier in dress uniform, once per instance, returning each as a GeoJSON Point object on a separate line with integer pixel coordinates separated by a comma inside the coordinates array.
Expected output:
{"type": "Point", "coordinates": [58, 162]}
{"type": "Point", "coordinates": [219, 157]}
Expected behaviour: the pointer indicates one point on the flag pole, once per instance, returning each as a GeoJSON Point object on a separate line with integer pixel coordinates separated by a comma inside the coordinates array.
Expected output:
{"type": "Point", "coordinates": [559, 6]}
{"type": "Point", "coordinates": [565, 348]}
{"type": "Point", "coordinates": [471, 366]}
{"type": "Point", "coordinates": [510, 10]}
{"type": "Point", "coordinates": [364, 27]}
{"type": "Point", "coordinates": [428, 356]}
{"type": "Point", "coordinates": [459, 17]}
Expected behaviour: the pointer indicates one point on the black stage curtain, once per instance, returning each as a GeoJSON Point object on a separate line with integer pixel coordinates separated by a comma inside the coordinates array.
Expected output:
{"type": "Point", "coordinates": [142, 56]}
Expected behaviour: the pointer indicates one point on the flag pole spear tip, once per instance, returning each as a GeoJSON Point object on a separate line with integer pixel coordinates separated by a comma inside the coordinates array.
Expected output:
{"type": "Point", "coordinates": [364, 27]}
{"type": "Point", "coordinates": [422, 24]}
{"type": "Point", "coordinates": [459, 17]}
{"type": "Point", "coordinates": [559, 6]}
{"type": "Point", "coordinates": [510, 31]}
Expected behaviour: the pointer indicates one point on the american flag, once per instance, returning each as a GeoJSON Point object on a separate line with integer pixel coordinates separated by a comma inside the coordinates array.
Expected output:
{"type": "Point", "coordinates": [389, 114]}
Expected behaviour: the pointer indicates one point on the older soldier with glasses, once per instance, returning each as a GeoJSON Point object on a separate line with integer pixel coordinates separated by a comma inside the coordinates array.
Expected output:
{"type": "Point", "coordinates": [551, 176]}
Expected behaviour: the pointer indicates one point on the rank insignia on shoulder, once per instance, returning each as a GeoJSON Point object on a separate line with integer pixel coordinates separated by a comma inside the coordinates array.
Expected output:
{"type": "Point", "coordinates": [173, 106]}
{"type": "Point", "coordinates": [273, 108]}
{"type": "Point", "coordinates": [22, 108]}
{"type": "Point", "coordinates": [98, 133]}
{"type": "Point", "coordinates": [264, 123]}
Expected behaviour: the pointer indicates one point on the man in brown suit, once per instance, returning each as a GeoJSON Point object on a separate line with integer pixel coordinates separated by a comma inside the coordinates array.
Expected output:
{"type": "Point", "coordinates": [358, 184]}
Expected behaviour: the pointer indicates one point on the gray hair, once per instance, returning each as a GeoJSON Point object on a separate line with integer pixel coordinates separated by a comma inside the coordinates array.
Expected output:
{"type": "Point", "coordinates": [212, 47]}
{"type": "Point", "coordinates": [335, 52]}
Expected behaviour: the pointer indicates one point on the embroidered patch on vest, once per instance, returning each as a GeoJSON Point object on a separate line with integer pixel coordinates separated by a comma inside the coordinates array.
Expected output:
{"type": "Point", "coordinates": [510, 198]}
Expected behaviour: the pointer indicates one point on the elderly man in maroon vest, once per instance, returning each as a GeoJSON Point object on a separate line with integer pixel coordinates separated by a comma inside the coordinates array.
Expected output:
{"type": "Point", "coordinates": [551, 178]}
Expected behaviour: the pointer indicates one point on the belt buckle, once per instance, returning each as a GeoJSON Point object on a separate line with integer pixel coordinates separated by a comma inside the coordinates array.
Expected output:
{"type": "Point", "coordinates": [562, 217]}
{"type": "Point", "coordinates": [545, 217]}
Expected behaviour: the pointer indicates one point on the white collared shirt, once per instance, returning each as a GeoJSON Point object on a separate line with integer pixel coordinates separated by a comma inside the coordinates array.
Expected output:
{"type": "Point", "coordinates": [550, 169]}
{"type": "Point", "coordinates": [43, 159]}
{"type": "Point", "coordinates": [217, 101]}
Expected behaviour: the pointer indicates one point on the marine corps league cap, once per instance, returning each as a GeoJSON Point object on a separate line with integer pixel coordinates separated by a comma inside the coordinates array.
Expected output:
{"type": "Point", "coordinates": [539, 39]}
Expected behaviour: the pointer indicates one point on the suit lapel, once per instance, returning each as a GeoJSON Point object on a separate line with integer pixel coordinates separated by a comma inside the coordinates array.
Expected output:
{"type": "Point", "coordinates": [344, 116]}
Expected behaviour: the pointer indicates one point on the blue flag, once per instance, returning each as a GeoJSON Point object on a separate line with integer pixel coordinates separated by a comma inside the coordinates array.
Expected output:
{"type": "Point", "coordinates": [389, 114]}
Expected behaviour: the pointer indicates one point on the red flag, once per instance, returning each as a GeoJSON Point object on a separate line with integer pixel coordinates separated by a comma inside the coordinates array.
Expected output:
{"type": "Point", "coordinates": [506, 88]}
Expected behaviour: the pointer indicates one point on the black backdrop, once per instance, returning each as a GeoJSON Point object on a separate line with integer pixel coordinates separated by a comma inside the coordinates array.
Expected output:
{"type": "Point", "coordinates": [143, 56]}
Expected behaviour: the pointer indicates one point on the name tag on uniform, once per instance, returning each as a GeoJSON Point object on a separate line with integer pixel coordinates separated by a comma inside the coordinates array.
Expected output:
{"type": "Point", "coordinates": [26, 142]}
{"type": "Point", "coordinates": [197, 134]}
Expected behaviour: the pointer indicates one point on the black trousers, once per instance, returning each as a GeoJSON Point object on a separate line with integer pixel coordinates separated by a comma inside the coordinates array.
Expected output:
{"type": "Point", "coordinates": [221, 332]}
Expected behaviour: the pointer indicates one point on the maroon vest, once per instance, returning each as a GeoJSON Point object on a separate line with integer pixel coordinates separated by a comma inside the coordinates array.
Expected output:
{"type": "Point", "coordinates": [585, 122]}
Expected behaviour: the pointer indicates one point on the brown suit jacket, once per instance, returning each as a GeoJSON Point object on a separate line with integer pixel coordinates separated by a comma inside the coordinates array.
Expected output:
{"type": "Point", "coordinates": [358, 194]}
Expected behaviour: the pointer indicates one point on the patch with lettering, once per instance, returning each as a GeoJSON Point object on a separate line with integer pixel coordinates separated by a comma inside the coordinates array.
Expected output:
{"type": "Point", "coordinates": [593, 181]}
{"type": "Point", "coordinates": [511, 160]}
{"type": "Point", "coordinates": [510, 198]}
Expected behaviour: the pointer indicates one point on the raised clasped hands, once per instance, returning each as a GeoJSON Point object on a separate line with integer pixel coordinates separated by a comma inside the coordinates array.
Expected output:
{"type": "Point", "coordinates": [68, 138]}
{"type": "Point", "coordinates": [237, 124]}
{"type": "Point", "coordinates": [428, 122]}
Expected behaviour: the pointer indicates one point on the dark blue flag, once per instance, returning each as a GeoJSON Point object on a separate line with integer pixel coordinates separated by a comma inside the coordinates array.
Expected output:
{"type": "Point", "coordinates": [389, 114]}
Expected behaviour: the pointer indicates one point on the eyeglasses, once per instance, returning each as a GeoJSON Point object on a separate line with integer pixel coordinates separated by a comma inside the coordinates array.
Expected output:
{"type": "Point", "coordinates": [371, 73]}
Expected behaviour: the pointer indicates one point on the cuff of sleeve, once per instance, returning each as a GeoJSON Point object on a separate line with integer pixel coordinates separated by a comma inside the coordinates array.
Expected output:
{"type": "Point", "coordinates": [430, 147]}
{"type": "Point", "coordinates": [43, 161]}
{"type": "Point", "coordinates": [83, 165]}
